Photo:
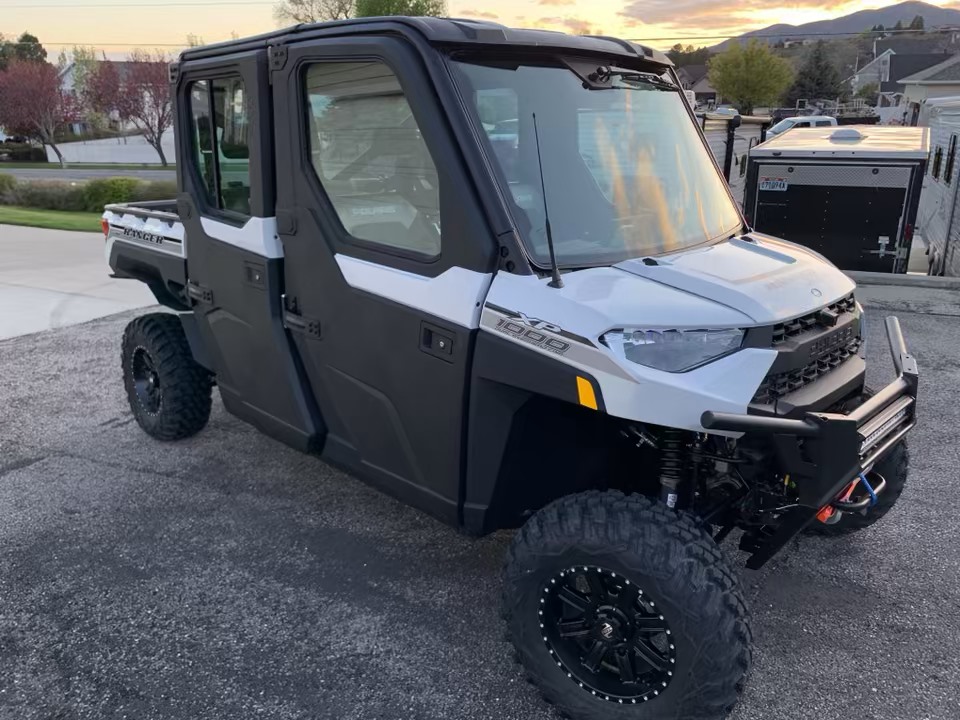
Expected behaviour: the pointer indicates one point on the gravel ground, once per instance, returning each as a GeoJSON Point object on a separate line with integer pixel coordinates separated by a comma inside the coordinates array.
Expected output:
{"type": "Point", "coordinates": [229, 577]}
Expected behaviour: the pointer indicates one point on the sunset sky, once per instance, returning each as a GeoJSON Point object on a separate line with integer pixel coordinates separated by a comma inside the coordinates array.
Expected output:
{"type": "Point", "coordinates": [116, 25]}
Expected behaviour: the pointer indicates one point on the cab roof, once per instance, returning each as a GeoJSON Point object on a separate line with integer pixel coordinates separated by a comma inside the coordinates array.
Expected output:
{"type": "Point", "coordinates": [441, 32]}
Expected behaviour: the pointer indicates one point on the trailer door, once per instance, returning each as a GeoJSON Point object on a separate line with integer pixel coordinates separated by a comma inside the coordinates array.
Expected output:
{"type": "Point", "coordinates": [855, 215]}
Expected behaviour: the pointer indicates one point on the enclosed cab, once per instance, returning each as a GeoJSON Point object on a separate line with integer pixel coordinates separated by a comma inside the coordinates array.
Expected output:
{"type": "Point", "coordinates": [498, 274]}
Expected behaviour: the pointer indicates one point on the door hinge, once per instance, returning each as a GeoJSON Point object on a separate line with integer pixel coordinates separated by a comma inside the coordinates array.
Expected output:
{"type": "Point", "coordinates": [199, 292]}
{"type": "Point", "coordinates": [278, 57]}
{"type": "Point", "coordinates": [295, 322]}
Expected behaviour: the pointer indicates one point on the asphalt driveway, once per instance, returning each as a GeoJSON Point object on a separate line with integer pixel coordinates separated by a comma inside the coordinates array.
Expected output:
{"type": "Point", "coordinates": [229, 577]}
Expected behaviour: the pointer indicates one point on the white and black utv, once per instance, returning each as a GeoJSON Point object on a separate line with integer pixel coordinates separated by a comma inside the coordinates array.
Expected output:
{"type": "Point", "coordinates": [497, 274]}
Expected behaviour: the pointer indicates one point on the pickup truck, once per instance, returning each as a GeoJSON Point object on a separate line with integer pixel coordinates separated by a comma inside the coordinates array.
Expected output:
{"type": "Point", "coordinates": [497, 274]}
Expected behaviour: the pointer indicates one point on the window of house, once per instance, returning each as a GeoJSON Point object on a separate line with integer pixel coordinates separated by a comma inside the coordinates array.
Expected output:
{"type": "Point", "coordinates": [937, 160]}
{"type": "Point", "coordinates": [951, 157]}
{"type": "Point", "coordinates": [371, 158]}
{"type": "Point", "coordinates": [220, 115]}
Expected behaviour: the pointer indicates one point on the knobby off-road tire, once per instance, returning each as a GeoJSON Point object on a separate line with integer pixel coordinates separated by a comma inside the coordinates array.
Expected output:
{"type": "Point", "coordinates": [629, 545]}
{"type": "Point", "coordinates": [169, 393]}
{"type": "Point", "coordinates": [894, 468]}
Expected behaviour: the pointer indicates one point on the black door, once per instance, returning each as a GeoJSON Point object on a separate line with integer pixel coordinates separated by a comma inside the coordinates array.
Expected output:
{"type": "Point", "coordinates": [234, 258]}
{"type": "Point", "coordinates": [387, 259]}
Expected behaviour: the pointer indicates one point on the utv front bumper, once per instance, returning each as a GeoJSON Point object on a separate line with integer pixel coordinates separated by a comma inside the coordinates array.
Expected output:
{"type": "Point", "coordinates": [824, 452]}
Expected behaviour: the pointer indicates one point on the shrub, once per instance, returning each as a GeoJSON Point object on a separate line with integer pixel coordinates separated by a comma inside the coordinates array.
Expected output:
{"type": "Point", "coordinates": [156, 190]}
{"type": "Point", "coordinates": [46, 195]}
{"type": "Point", "coordinates": [98, 193]}
{"type": "Point", "coordinates": [7, 183]}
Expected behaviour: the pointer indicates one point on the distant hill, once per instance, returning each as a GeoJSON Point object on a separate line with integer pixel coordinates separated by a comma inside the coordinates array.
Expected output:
{"type": "Point", "coordinates": [857, 22]}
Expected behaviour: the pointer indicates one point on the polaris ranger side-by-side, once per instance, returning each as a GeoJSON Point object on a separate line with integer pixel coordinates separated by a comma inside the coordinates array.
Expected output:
{"type": "Point", "coordinates": [497, 274]}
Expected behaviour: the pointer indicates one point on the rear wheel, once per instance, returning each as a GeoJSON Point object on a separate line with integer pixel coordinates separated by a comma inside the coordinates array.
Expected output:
{"type": "Point", "coordinates": [169, 393]}
{"type": "Point", "coordinates": [621, 608]}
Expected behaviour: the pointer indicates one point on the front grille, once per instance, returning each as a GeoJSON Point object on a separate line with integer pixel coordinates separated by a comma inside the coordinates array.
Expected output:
{"type": "Point", "coordinates": [780, 384]}
{"type": "Point", "coordinates": [785, 331]}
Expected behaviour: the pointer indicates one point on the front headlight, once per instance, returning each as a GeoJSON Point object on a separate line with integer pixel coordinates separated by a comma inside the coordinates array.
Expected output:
{"type": "Point", "coordinates": [673, 350]}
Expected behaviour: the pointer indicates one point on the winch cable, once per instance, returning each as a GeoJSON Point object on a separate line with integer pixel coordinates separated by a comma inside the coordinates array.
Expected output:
{"type": "Point", "coordinates": [870, 491]}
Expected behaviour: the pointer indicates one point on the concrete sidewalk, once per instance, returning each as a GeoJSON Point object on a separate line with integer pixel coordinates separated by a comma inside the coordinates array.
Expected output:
{"type": "Point", "coordinates": [54, 278]}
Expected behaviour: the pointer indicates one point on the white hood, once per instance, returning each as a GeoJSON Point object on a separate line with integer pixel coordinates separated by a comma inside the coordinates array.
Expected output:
{"type": "Point", "coordinates": [767, 280]}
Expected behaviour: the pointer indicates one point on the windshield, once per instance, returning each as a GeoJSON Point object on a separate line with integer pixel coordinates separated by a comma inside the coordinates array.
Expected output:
{"type": "Point", "coordinates": [626, 173]}
{"type": "Point", "coordinates": [782, 126]}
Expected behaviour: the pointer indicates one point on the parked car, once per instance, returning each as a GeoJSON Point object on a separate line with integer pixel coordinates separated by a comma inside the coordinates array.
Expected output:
{"type": "Point", "coordinates": [801, 121]}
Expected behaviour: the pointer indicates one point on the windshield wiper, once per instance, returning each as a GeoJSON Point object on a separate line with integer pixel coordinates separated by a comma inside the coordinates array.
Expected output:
{"type": "Point", "coordinates": [603, 75]}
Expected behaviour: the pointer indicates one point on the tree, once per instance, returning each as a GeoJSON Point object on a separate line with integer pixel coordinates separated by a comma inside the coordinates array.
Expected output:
{"type": "Point", "coordinates": [144, 97]}
{"type": "Point", "coordinates": [749, 75]}
{"type": "Point", "coordinates": [898, 26]}
{"type": "Point", "coordinates": [308, 11]}
{"type": "Point", "coordinates": [194, 40]}
{"type": "Point", "coordinates": [376, 8]}
{"type": "Point", "coordinates": [101, 90]}
{"type": "Point", "coordinates": [684, 56]}
{"type": "Point", "coordinates": [818, 78]}
{"type": "Point", "coordinates": [29, 49]}
{"type": "Point", "coordinates": [917, 23]}
{"type": "Point", "coordinates": [84, 65]}
{"type": "Point", "coordinates": [32, 102]}
{"type": "Point", "coordinates": [869, 92]}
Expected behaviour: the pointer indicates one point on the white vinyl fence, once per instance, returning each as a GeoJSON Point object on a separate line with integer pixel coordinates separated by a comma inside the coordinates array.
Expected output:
{"type": "Point", "coordinates": [131, 150]}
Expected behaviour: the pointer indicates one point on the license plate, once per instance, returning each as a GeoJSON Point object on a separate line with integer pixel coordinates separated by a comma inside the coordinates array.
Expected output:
{"type": "Point", "coordinates": [774, 184]}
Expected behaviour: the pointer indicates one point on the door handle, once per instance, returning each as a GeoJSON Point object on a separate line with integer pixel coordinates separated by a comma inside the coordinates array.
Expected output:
{"type": "Point", "coordinates": [437, 341]}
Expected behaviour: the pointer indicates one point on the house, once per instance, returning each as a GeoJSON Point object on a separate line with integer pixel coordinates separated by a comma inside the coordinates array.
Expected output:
{"type": "Point", "coordinates": [903, 66]}
{"type": "Point", "coordinates": [941, 80]}
{"type": "Point", "coordinates": [875, 72]}
{"type": "Point", "coordinates": [695, 77]}
{"type": "Point", "coordinates": [68, 83]}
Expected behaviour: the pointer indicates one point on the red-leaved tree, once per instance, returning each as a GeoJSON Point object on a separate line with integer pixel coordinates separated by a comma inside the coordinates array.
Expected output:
{"type": "Point", "coordinates": [33, 103]}
{"type": "Point", "coordinates": [144, 97]}
{"type": "Point", "coordinates": [101, 89]}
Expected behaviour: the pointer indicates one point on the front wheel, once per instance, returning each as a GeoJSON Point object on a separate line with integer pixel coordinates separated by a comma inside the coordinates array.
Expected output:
{"type": "Point", "coordinates": [621, 608]}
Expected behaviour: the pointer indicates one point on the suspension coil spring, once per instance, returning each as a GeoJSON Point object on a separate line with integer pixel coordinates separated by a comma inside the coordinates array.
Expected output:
{"type": "Point", "coordinates": [671, 465]}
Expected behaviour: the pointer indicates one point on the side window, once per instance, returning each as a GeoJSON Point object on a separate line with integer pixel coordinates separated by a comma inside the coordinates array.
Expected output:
{"type": "Point", "coordinates": [823, 123]}
{"type": "Point", "coordinates": [370, 157]}
{"type": "Point", "coordinates": [221, 151]}
{"type": "Point", "coordinates": [951, 157]}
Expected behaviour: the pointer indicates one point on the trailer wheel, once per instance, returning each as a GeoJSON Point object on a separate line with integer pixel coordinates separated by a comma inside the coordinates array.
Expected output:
{"type": "Point", "coordinates": [621, 608]}
{"type": "Point", "coordinates": [169, 393]}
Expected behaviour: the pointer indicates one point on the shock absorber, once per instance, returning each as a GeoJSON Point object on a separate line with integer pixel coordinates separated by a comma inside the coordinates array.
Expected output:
{"type": "Point", "coordinates": [672, 466]}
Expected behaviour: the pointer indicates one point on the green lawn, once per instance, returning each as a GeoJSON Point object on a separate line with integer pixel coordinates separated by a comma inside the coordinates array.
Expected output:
{"type": "Point", "coordinates": [53, 219]}
{"type": "Point", "coordinates": [82, 166]}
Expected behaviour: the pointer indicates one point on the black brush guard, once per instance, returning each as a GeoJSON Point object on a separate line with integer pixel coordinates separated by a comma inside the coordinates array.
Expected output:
{"type": "Point", "coordinates": [825, 452]}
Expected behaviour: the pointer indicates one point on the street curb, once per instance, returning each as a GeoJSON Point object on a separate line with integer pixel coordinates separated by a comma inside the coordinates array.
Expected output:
{"type": "Point", "coordinates": [904, 280]}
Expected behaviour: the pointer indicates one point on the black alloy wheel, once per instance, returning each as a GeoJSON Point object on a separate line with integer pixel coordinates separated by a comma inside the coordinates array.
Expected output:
{"type": "Point", "coordinates": [146, 381]}
{"type": "Point", "coordinates": [168, 392]}
{"type": "Point", "coordinates": [607, 635]}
